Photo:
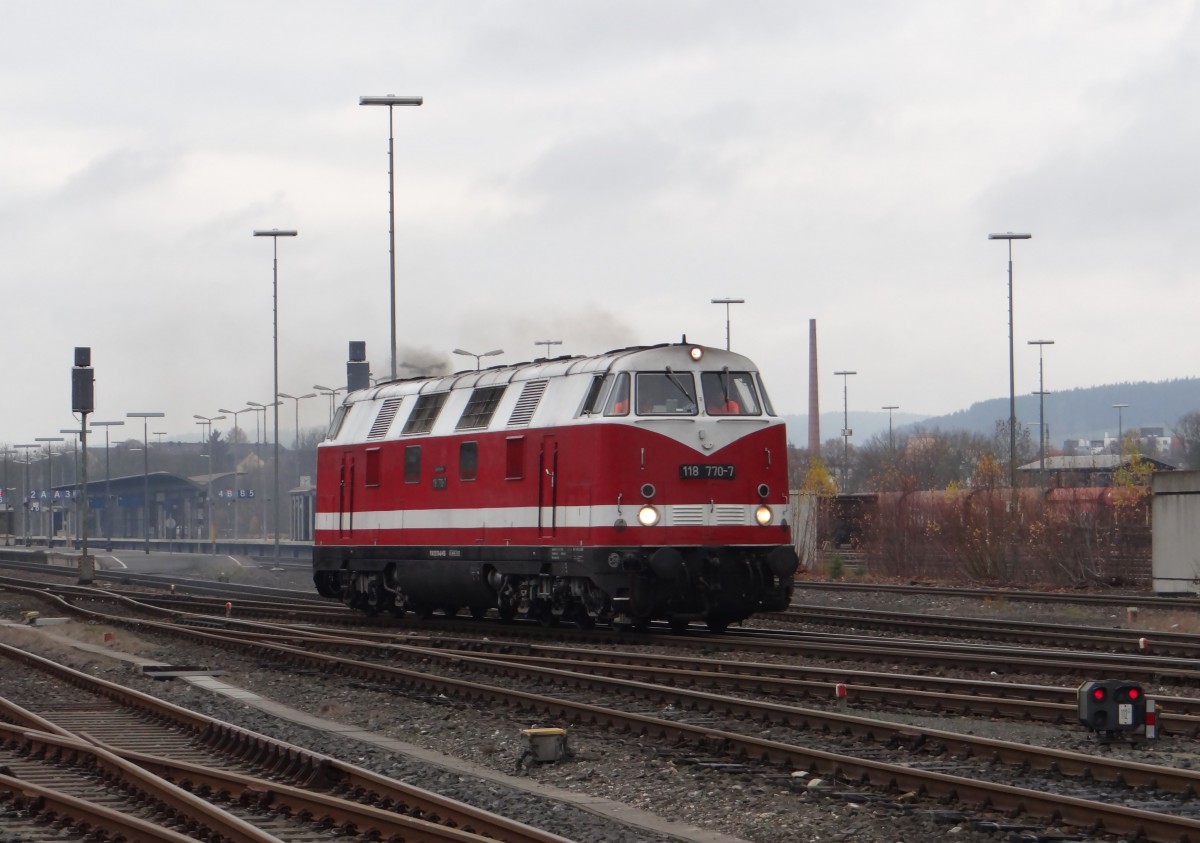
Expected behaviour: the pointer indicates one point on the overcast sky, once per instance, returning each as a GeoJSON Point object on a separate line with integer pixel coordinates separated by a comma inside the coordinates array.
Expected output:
{"type": "Point", "coordinates": [593, 172]}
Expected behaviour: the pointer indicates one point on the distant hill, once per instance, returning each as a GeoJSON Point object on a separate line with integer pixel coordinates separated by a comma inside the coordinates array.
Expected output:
{"type": "Point", "coordinates": [1085, 413]}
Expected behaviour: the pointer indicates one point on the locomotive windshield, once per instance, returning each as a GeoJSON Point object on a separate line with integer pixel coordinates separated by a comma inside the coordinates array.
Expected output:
{"type": "Point", "coordinates": [666, 394]}
{"type": "Point", "coordinates": [729, 394]}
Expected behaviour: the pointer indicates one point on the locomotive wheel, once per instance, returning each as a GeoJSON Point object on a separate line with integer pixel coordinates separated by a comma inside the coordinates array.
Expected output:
{"type": "Point", "coordinates": [450, 611]}
{"type": "Point", "coordinates": [479, 612]}
{"type": "Point", "coordinates": [679, 625]}
{"type": "Point", "coordinates": [716, 624]}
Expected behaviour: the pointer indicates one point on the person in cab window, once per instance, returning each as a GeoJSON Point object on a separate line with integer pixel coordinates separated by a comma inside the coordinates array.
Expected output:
{"type": "Point", "coordinates": [728, 407]}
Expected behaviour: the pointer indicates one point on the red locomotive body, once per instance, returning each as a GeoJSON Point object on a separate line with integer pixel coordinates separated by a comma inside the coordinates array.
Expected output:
{"type": "Point", "coordinates": [645, 483]}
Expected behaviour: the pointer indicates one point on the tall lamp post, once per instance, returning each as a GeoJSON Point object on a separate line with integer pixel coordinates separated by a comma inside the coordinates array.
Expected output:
{"type": "Point", "coordinates": [390, 101]}
{"type": "Point", "coordinates": [332, 393]}
{"type": "Point", "coordinates": [49, 440]}
{"type": "Point", "coordinates": [1041, 344]}
{"type": "Point", "coordinates": [477, 357]}
{"type": "Point", "coordinates": [1120, 408]}
{"type": "Point", "coordinates": [236, 471]}
{"type": "Point", "coordinates": [547, 343]}
{"type": "Point", "coordinates": [145, 417]}
{"type": "Point", "coordinates": [846, 431]}
{"type": "Point", "coordinates": [28, 488]}
{"type": "Point", "coordinates": [275, 234]}
{"type": "Point", "coordinates": [727, 302]}
{"type": "Point", "coordinates": [104, 516]}
{"type": "Point", "coordinates": [891, 441]}
{"type": "Point", "coordinates": [1012, 382]}
{"type": "Point", "coordinates": [297, 399]}
{"type": "Point", "coordinates": [207, 422]}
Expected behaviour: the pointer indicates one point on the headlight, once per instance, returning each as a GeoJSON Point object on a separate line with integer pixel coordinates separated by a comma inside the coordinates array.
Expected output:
{"type": "Point", "coordinates": [763, 515]}
{"type": "Point", "coordinates": [647, 516]}
{"type": "Point", "coordinates": [695, 352]}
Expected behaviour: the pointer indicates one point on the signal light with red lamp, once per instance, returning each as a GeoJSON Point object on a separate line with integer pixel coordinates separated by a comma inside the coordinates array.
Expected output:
{"type": "Point", "coordinates": [1110, 706]}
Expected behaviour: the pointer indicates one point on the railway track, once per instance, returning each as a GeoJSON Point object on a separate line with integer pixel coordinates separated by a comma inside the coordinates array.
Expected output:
{"type": "Point", "coordinates": [515, 676]}
{"type": "Point", "coordinates": [91, 742]}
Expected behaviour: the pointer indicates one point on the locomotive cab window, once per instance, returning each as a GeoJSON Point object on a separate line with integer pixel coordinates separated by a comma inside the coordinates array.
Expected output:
{"type": "Point", "coordinates": [618, 399]}
{"type": "Point", "coordinates": [468, 460]}
{"type": "Point", "coordinates": [729, 394]}
{"type": "Point", "coordinates": [666, 394]}
{"type": "Point", "coordinates": [412, 464]}
{"type": "Point", "coordinates": [762, 390]}
{"type": "Point", "coordinates": [594, 399]}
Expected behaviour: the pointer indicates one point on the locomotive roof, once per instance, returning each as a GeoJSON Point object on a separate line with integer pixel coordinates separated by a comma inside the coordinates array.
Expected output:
{"type": "Point", "coordinates": [638, 357]}
{"type": "Point", "coordinates": [548, 392]}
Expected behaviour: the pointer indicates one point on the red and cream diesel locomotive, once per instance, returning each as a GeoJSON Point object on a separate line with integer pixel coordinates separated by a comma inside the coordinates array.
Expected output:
{"type": "Point", "coordinates": [647, 483]}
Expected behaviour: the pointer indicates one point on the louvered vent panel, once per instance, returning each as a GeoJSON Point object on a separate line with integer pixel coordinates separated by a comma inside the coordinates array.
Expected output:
{"type": "Point", "coordinates": [383, 421]}
{"type": "Point", "coordinates": [527, 403]}
{"type": "Point", "coordinates": [687, 516]}
{"type": "Point", "coordinates": [730, 516]}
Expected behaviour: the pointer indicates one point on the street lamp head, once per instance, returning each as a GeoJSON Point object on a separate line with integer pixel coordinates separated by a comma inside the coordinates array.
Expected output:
{"type": "Point", "coordinates": [1120, 406]}
{"type": "Point", "coordinates": [1041, 342]}
{"type": "Point", "coordinates": [144, 415]}
{"type": "Point", "coordinates": [1009, 236]}
{"type": "Point", "coordinates": [728, 301]}
{"type": "Point", "coordinates": [845, 373]}
{"type": "Point", "coordinates": [326, 388]}
{"type": "Point", "coordinates": [275, 232]}
{"type": "Point", "coordinates": [391, 100]}
{"type": "Point", "coordinates": [891, 407]}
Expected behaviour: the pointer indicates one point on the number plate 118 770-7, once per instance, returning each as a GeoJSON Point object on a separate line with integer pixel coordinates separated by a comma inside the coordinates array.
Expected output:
{"type": "Point", "coordinates": [701, 471]}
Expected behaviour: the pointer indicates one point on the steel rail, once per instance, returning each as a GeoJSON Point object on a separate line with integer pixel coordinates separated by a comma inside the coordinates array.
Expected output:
{"type": "Point", "coordinates": [1107, 599]}
{"type": "Point", "coordinates": [369, 821]}
{"type": "Point", "coordinates": [1083, 813]}
{"type": "Point", "coordinates": [1180, 644]}
{"type": "Point", "coordinates": [313, 768]}
{"type": "Point", "coordinates": [40, 800]}
{"type": "Point", "coordinates": [76, 751]}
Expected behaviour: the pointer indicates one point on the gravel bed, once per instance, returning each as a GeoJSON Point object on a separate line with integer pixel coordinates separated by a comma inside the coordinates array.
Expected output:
{"type": "Point", "coordinates": [765, 808]}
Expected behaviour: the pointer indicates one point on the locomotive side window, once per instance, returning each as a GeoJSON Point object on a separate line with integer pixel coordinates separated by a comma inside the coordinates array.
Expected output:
{"type": "Point", "coordinates": [412, 464]}
{"type": "Point", "coordinates": [339, 417]}
{"type": "Point", "coordinates": [766, 400]}
{"type": "Point", "coordinates": [514, 458]}
{"type": "Point", "coordinates": [480, 407]}
{"type": "Point", "coordinates": [372, 469]}
{"type": "Point", "coordinates": [666, 394]}
{"type": "Point", "coordinates": [729, 394]}
{"type": "Point", "coordinates": [425, 413]}
{"type": "Point", "coordinates": [468, 460]}
{"type": "Point", "coordinates": [618, 399]}
{"type": "Point", "coordinates": [595, 396]}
